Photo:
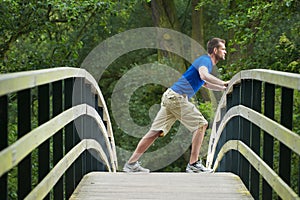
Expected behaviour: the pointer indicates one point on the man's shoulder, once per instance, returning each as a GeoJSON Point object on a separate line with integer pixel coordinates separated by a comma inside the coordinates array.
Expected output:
{"type": "Point", "coordinates": [204, 56]}
{"type": "Point", "coordinates": [203, 60]}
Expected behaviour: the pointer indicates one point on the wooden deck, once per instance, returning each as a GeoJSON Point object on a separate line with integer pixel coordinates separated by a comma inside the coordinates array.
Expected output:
{"type": "Point", "coordinates": [102, 185]}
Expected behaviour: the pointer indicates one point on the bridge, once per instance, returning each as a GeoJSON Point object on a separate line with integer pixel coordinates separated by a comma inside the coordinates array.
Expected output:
{"type": "Point", "coordinates": [63, 147]}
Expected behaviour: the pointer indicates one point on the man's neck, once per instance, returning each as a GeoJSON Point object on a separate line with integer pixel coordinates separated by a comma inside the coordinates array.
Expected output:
{"type": "Point", "coordinates": [213, 59]}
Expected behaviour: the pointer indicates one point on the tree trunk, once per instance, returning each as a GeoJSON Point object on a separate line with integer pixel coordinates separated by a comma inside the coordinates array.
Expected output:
{"type": "Point", "coordinates": [197, 25]}
{"type": "Point", "coordinates": [198, 35]}
{"type": "Point", "coordinates": [164, 16]}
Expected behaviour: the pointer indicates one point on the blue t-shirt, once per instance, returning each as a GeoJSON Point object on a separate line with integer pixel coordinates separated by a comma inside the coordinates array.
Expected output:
{"type": "Point", "coordinates": [190, 82]}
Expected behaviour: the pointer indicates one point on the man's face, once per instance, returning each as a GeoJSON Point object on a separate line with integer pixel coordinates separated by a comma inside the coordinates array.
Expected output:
{"type": "Point", "coordinates": [220, 52]}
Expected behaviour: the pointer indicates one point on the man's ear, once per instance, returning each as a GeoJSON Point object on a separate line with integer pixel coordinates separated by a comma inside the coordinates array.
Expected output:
{"type": "Point", "coordinates": [215, 50]}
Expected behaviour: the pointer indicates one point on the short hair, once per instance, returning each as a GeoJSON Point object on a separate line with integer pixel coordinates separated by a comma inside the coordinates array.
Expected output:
{"type": "Point", "coordinates": [214, 43]}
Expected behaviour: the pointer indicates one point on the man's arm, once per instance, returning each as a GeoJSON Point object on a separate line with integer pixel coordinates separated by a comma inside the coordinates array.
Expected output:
{"type": "Point", "coordinates": [214, 87]}
{"type": "Point", "coordinates": [208, 78]}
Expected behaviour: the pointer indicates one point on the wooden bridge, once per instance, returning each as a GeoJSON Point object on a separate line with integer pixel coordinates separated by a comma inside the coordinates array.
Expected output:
{"type": "Point", "coordinates": [71, 134]}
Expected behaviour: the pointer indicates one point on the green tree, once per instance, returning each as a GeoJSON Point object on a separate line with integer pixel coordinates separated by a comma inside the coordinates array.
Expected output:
{"type": "Point", "coordinates": [262, 34]}
{"type": "Point", "coordinates": [44, 34]}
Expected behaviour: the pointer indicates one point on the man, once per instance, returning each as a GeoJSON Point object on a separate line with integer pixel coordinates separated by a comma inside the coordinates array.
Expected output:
{"type": "Point", "coordinates": [175, 106]}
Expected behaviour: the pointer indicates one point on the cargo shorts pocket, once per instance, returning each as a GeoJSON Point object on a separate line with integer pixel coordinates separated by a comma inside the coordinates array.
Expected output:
{"type": "Point", "coordinates": [171, 101]}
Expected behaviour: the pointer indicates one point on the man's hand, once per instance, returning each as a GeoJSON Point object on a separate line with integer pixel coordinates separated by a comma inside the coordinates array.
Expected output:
{"type": "Point", "coordinates": [226, 83]}
{"type": "Point", "coordinates": [207, 77]}
{"type": "Point", "coordinates": [214, 87]}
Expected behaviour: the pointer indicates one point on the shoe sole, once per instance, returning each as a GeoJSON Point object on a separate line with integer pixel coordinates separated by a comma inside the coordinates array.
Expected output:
{"type": "Point", "coordinates": [192, 171]}
{"type": "Point", "coordinates": [136, 172]}
{"type": "Point", "coordinates": [130, 171]}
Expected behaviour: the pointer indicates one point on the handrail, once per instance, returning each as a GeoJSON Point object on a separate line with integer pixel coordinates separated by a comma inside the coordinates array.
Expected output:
{"type": "Point", "coordinates": [282, 189]}
{"type": "Point", "coordinates": [284, 135]}
{"type": "Point", "coordinates": [285, 79]}
{"type": "Point", "coordinates": [17, 81]}
{"type": "Point", "coordinates": [244, 110]}
{"type": "Point", "coordinates": [13, 154]}
{"type": "Point", "coordinates": [44, 187]}
{"type": "Point", "coordinates": [88, 109]}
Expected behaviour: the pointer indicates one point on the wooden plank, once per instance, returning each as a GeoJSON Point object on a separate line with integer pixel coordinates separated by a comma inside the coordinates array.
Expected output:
{"type": "Point", "coordinates": [101, 185]}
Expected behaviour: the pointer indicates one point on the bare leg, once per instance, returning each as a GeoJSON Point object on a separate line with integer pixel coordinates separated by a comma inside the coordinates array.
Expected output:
{"type": "Point", "coordinates": [196, 143]}
{"type": "Point", "coordinates": [143, 145]}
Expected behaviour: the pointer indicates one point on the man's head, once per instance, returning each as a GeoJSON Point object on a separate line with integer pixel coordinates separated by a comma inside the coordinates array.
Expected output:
{"type": "Point", "coordinates": [216, 47]}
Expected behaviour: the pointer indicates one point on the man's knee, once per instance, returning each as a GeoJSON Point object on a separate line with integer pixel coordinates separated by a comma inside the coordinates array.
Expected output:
{"type": "Point", "coordinates": [152, 134]}
{"type": "Point", "coordinates": [203, 126]}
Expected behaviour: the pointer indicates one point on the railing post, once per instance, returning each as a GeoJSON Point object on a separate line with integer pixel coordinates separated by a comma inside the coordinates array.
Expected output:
{"type": "Point", "coordinates": [87, 127]}
{"type": "Point", "coordinates": [69, 139]}
{"type": "Point", "coordinates": [44, 148]}
{"type": "Point", "coordinates": [24, 126]}
{"type": "Point", "coordinates": [95, 136]}
{"type": "Point", "coordinates": [268, 141]}
{"type": "Point", "coordinates": [236, 98]}
{"type": "Point", "coordinates": [255, 140]}
{"type": "Point", "coordinates": [99, 109]}
{"type": "Point", "coordinates": [95, 130]}
{"type": "Point", "coordinates": [221, 142]}
{"type": "Point", "coordinates": [78, 161]}
{"type": "Point", "coordinates": [287, 121]}
{"type": "Point", "coordinates": [91, 134]}
{"type": "Point", "coordinates": [83, 126]}
{"type": "Point", "coordinates": [3, 142]}
{"type": "Point", "coordinates": [245, 129]}
{"type": "Point", "coordinates": [77, 100]}
{"type": "Point", "coordinates": [57, 108]}
{"type": "Point", "coordinates": [228, 136]}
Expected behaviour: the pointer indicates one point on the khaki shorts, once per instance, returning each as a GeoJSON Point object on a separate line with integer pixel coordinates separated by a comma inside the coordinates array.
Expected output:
{"type": "Point", "coordinates": [177, 107]}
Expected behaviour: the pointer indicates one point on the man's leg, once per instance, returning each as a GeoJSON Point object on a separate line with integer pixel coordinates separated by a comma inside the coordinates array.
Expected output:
{"type": "Point", "coordinates": [196, 143]}
{"type": "Point", "coordinates": [163, 121]}
{"type": "Point", "coordinates": [143, 145]}
{"type": "Point", "coordinates": [195, 165]}
{"type": "Point", "coordinates": [132, 165]}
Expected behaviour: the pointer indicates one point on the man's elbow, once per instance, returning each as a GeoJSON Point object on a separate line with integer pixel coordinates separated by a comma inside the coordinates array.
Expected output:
{"type": "Point", "coordinates": [203, 76]}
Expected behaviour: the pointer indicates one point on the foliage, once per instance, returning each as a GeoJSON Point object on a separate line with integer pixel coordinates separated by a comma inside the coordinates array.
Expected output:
{"type": "Point", "coordinates": [259, 36]}
{"type": "Point", "coordinates": [47, 34]}
{"type": "Point", "coordinates": [44, 34]}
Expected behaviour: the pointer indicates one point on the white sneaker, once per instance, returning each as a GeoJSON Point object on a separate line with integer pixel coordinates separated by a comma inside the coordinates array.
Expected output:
{"type": "Point", "coordinates": [197, 168]}
{"type": "Point", "coordinates": [134, 167]}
